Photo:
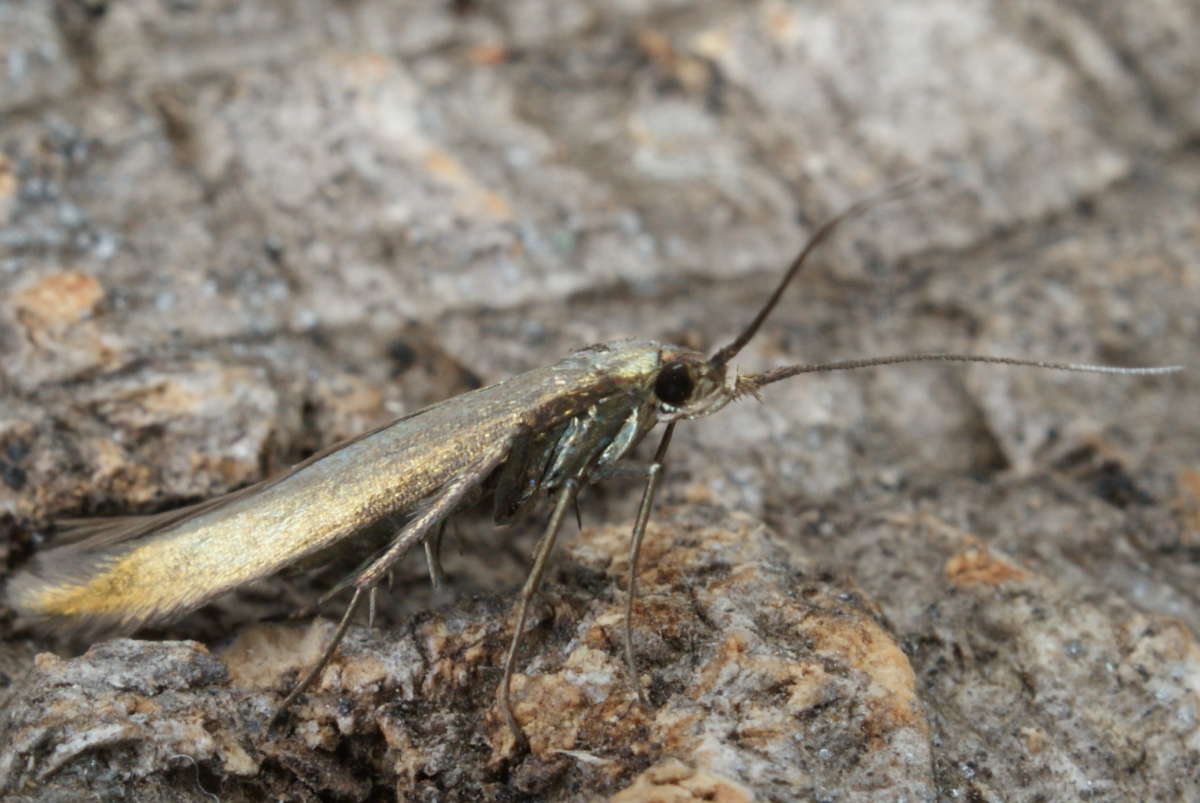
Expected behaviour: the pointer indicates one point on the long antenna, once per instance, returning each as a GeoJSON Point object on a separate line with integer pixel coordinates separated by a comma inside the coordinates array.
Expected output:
{"type": "Point", "coordinates": [726, 353]}
{"type": "Point", "coordinates": [751, 382]}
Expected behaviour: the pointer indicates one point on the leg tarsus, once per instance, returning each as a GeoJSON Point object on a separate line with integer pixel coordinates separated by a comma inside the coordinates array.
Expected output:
{"type": "Point", "coordinates": [635, 550]}
{"type": "Point", "coordinates": [653, 478]}
{"type": "Point", "coordinates": [321, 663]}
{"type": "Point", "coordinates": [541, 557]}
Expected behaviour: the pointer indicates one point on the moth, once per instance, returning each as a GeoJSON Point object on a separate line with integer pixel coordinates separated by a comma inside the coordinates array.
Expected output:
{"type": "Point", "coordinates": [540, 435]}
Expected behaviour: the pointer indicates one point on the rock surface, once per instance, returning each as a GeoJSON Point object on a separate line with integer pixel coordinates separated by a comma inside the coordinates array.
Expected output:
{"type": "Point", "coordinates": [231, 234]}
{"type": "Point", "coordinates": [770, 679]}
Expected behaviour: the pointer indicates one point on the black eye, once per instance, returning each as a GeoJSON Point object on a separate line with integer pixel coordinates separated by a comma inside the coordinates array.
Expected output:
{"type": "Point", "coordinates": [674, 384]}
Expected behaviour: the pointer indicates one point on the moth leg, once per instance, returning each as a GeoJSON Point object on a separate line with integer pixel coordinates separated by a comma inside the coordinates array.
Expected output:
{"type": "Point", "coordinates": [348, 580]}
{"type": "Point", "coordinates": [653, 478]}
{"type": "Point", "coordinates": [433, 556]}
{"type": "Point", "coordinates": [316, 668]}
{"type": "Point", "coordinates": [443, 505]}
{"type": "Point", "coordinates": [545, 546]}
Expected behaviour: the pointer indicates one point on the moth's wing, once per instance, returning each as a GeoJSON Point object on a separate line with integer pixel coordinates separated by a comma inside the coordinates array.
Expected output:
{"type": "Point", "coordinates": [94, 534]}
{"type": "Point", "coordinates": [94, 544]}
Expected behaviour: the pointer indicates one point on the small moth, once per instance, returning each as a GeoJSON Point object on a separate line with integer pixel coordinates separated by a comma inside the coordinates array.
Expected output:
{"type": "Point", "coordinates": [542, 434]}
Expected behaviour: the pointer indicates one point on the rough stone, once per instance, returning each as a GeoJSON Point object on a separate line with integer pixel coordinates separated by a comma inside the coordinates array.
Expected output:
{"type": "Point", "coordinates": [769, 680]}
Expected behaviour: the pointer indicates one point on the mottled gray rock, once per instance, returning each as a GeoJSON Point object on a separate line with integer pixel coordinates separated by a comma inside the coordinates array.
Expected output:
{"type": "Point", "coordinates": [231, 234]}
{"type": "Point", "coordinates": [765, 677]}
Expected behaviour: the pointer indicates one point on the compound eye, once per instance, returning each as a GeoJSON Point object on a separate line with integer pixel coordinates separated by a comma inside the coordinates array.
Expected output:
{"type": "Point", "coordinates": [674, 385]}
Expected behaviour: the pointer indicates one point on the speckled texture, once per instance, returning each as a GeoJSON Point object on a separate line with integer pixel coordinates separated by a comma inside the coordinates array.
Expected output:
{"type": "Point", "coordinates": [763, 677]}
{"type": "Point", "coordinates": [232, 234]}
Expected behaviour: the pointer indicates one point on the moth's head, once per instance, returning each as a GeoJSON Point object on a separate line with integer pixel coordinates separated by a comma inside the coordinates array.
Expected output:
{"type": "Point", "coordinates": [689, 385]}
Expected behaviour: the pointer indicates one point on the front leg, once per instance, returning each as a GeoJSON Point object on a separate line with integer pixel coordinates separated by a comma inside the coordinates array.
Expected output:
{"type": "Point", "coordinates": [566, 497]}
{"type": "Point", "coordinates": [653, 478]}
